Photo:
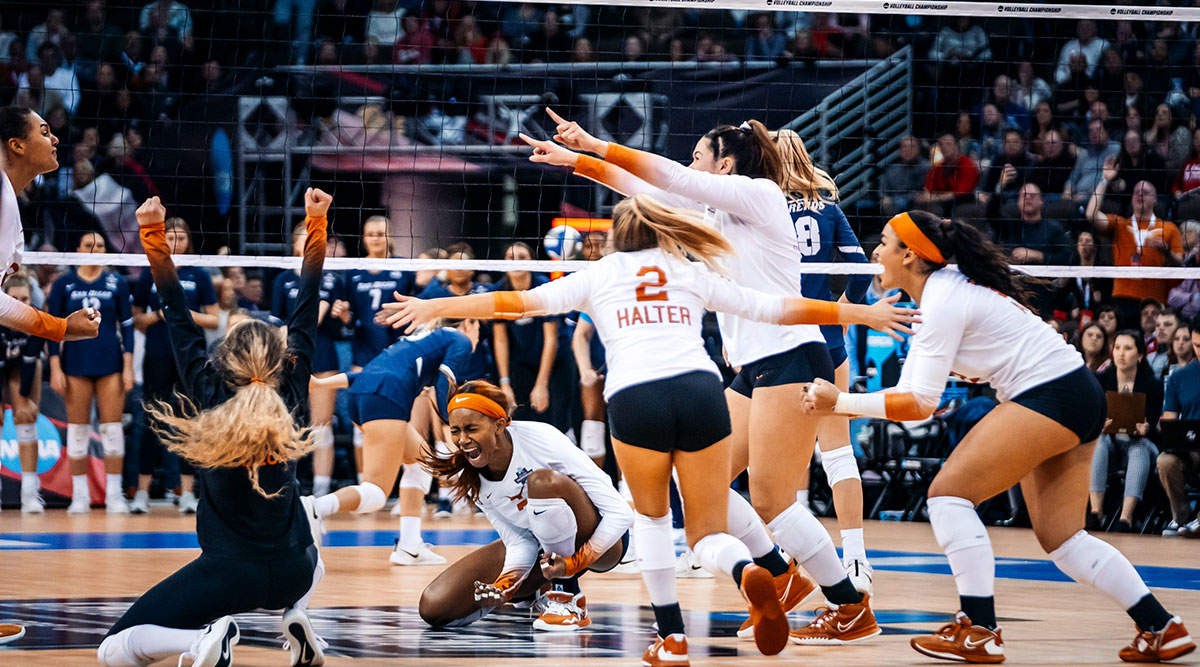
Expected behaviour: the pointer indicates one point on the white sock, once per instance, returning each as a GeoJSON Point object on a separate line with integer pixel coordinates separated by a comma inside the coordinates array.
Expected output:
{"type": "Point", "coordinates": [144, 644]}
{"type": "Point", "coordinates": [410, 533]}
{"type": "Point", "coordinates": [321, 485]}
{"type": "Point", "coordinates": [745, 525]}
{"type": "Point", "coordinates": [805, 539]}
{"type": "Point", "coordinates": [852, 545]}
{"type": "Point", "coordinates": [802, 497]}
{"type": "Point", "coordinates": [327, 504]}
{"type": "Point", "coordinates": [963, 537]}
{"type": "Point", "coordinates": [112, 485]}
{"type": "Point", "coordinates": [552, 522]}
{"type": "Point", "coordinates": [720, 552]}
{"type": "Point", "coordinates": [30, 482]}
{"type": "Point", "coordinates": [79, 487]}
{"type": "Point", "coordinates": [656, 557]}
{"type": "Point", "coordinates": [141, 495]}
{"type": "Point", "coordinates": [1090, 560]}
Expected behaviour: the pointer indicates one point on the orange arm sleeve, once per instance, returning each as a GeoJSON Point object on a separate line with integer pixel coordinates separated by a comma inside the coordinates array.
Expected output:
{"type": "Point", "coordinates": [902, 406]}
{"type": "Point", "coordinates": [802, 310]}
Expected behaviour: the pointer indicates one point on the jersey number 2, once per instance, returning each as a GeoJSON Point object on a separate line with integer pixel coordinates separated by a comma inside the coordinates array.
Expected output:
{"type": "Point", "coordinates": [656, 284]}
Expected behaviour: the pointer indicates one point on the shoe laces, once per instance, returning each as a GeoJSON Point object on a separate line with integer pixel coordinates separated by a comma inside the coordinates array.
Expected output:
{"type": "Point", "coordinates": [824, 619]}
{"type": "Point", "coordinates": [555, 606]}
{"type": "Point", "coordinates": [951, 630]}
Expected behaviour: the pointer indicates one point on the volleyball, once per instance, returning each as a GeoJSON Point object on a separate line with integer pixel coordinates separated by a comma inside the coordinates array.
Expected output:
{"type": "Point", "coordinates": [563, 242]}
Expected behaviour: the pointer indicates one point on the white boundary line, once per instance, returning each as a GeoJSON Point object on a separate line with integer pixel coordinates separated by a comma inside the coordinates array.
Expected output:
{"type": "Point", "coordinates": [549, 266]}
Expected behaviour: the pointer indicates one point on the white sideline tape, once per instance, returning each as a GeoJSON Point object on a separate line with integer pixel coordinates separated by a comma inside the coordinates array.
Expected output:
{"type": "Point", "coordinates": [549, 266]}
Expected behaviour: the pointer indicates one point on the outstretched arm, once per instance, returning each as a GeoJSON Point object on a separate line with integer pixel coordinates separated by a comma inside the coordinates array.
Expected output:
{"type": "Point", "coordinates": [302, 324]}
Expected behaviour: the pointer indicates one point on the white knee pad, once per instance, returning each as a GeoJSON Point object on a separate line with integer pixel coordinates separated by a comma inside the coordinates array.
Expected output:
{"type": "Point", "coordinates": [359, 438]}
{"type": "Point", "coordinates": [371, 498]}
{"type": "Point", "coordinates": [591, 439]}
{"type": "Point", "coordinates": [322, 436]}
{"type": "Point", "coordinates": [112, 439]}
{"type": "Point", "coordinates": [27, 433]}
{"type": "Point", "coordinates": [112, 652]}
{"type": "Point", "coordinates": [840, 465]}
{"type": "Point", "coordinates": [77, 441]}
{"type": "Point", "coordinates": [656, 546]}
{"type": "Point", "coordinates": [800, 533]}
{"type": "Point", "coordinates": [553, 523]}
{"type": "Point", "coordinates": [1083, 556]}
{"type": "Point", "coordinates": [956, 524]}
{"type": "Point", "coordinates": [416, 477]}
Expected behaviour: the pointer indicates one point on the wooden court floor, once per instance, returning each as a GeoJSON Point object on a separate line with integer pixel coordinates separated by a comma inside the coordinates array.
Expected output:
{"type": "Point", "coordinates": [68, 578]}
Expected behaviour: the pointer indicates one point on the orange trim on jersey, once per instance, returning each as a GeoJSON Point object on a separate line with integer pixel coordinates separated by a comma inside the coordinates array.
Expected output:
{"type": "Point", "coordinates": [314, 245]}
{"type": "Point", "coordinates": [507, 580]}
{"type": "Point", "coordinates": [478, 403]}
{"type": "Point", "coordinates": [508, 305]}
{"type": "Point", "coordinates": [802, 310]}
{"type": "Point", "coordinates": [626, 158]}
{"type": "Point", "coordinates": [580, 560]}
{"type": "Point", "coordinates": [912, 236]}
{"type": "Point", "coordinates": [902, 407]}
{"type": "Point", "coordinates": [154, 243]}
{"type": "Point", "coordinates": [34, 322]}
{"type": "Point", "coordinates": [595, 169]}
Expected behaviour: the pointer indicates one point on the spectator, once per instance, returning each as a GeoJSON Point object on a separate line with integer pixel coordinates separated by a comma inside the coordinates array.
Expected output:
{"type": "Point", "coordinates": [164, 20]}
{"type": "Point", "coordinates": [1034, 239]}
{"type": "Point", "coordinates": [828, 36]}
{"type": "Point", "coordinates": [1031, 90]}
{"type": "Point", "coordinates": [1175, 466]}
{"type": "Point", "coordinates": [459, 282]}
{"type": "Point", "coordinates": [1092, 343]}
{"type": "Point", "coordinates": [766, 44]}
{"type": "Point", "coordinates": [122, 164]}
{"type": "Point", "coordinates": [903, 179]}
{"type": "Point", "coordinates": [1043, 122]}
{"type": "Point", "coordinates": [110, 204]}
{"type": "Point", "coordinates": [1090, 158]}
{"type": "Point", "coordinates": [960, 43]}
{"type": "Point", "coordinates": [952, 178]}
{"type": "Point", "coordinates": [710, 50]}
{"type": "Point", "coordinates": [1171, 140]}
{"type": "Point", "coordinates": [416, 45]}
{"type": "Point", "coordinates": [301, 38]}
{"type": "Point", "coordinates": [1126, 43]}
{"type": "Point", "coordinates": [1148, 316]}
{"type": "Point", "coordinates": [132, 53]}
{"type": "Point", "coordinates": [56, 78]}
{"type": "Point", "coordinates": [633, 50]}
{"type": "Point", "coordinates": [1160, 71]}
{"type": "Point", "coordinates": [1053, 167]}
{"type": "Point", "coordinates": [1128, 373]}
{"type": "Point", "coordinates": [582, 51]}
{"type": "Point", "coordinates": [34, 94]}
{"type": "Point", "coordinates": [499, 52]}
{"type": "Point", "coordinates": [7, 39]}
{"type": "Point", "coordinates": [992, 128]}
{"type": "Point", "coordinates": [1087, 44]}
{"type": "Point", "coordinates": [1185, 297]}
{"type": "Point", "coordinates": [1080, 299]}
{"type": "Point", "coordinates": [52, 32]}
{"type": "Point", "coordinates": [803, 49]}
{"type": "Point", "coordinates": [384, 23]}
{"type": "Point", "coordinates": [1133, 120]}
{"type": "Point", "coordinates": [1140, 240]}
{"type": "Point", "coordinates": [519, 22]}
{"type": "Point", "coordinates": [1181, 353]}
{"type": "Point", "coordinates": [1165, 325]}
{"type": "Point", "coordinates": [1069, 96]}
{"type": "Point", "coordinates": [1007, 173]}
{"type": "Point", "coordinates": [967, 136]}
{"type": "Point", "coordinates": [1106, 316]}
{"type": "Point", "coordinates": [99, 40]}
{"type": "Point", "coordinates": [1137, 163]}
{"type": "Point", "coordinates": [1136, 98]}
{"type": "Point", "coordinates": [1186, 186]}
{"type": "Point", "coordinates": [1001, 97]}
{"type": "Point", "coordinates": [550, 43]}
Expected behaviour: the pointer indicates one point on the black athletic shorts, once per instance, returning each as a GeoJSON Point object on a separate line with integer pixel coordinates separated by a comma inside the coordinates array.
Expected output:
{"type": "Point", "coordinates": [799, 364]}
{"type": "Point", "coordinates": [1075, 400]}
{"type": "Point", "coordinates": [684, 413]}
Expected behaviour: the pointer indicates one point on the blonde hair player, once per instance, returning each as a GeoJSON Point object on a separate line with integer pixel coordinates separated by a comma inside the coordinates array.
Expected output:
{"type": "Point", "coordinates": [236, 426]}
{"type": "Point", "coordinates": [821, 229]}
{"type": "Point", "coordinates": [977, 325]}
{"type": "Point", "coordinates": [735, 181]}
{"type": "Point", "coordinates": [664, 393]}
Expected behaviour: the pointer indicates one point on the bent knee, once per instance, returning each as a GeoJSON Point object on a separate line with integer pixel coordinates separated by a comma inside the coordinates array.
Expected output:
{"type": "Point", "coordinates": [432, 611]}
{"type": "Point", "coordinates": [546, 483]}
{"type": "Point", "coordinates": [1169, 461]}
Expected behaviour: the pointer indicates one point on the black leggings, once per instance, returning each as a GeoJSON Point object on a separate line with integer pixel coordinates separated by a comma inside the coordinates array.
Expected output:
{"type": "Point", "coordinates": [159, 381]}
{"type": "Point", "coordinates": [214, 586]}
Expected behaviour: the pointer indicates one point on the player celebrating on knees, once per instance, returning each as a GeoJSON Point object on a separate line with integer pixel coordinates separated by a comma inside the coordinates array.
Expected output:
{"type": "Point", "coordinates": [545, 498]}
{"type": "Point", "coordinates": [977, 325]}
{"type": "Point", "coordinates": [237, 428]}
{"type": "Point", "coordinates": [382, 397]}
{"type": "Point", "coordinates": [664, 393]}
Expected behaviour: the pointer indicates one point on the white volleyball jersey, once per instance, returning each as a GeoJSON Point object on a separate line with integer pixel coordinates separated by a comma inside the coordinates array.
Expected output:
{"type": "Point", "coordinates": [647, 307]}
{"type": "Point", "coordinates": [12, 237]}
{"type": "Point", "coordinates": [980, 335]}
{"type": "Point", "coordinates": [538, 446]}
{"type": "Point", "coordinates": [753, 214]}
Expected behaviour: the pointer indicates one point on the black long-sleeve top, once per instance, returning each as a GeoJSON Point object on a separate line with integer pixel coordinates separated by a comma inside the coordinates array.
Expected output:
{"type": "Point", "coordinates": [233, 519]}
{"type": "Point", "coordinates": [1145, 383]}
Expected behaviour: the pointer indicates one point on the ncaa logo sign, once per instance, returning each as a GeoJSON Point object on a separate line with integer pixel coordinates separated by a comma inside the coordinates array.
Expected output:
{"type": "Point", "coordinates": [49, 444]}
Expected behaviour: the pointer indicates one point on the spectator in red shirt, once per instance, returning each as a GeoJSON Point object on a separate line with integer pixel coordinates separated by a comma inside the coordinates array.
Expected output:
{"type": "Point", "coordinates": [416, 44]}
{"type": "Point", "coordinates": [953, 179]}
{"type": "Point", "coordinates": [1186, 187]}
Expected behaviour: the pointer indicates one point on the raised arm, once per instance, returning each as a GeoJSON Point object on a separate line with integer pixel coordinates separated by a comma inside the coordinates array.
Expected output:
{"type": "Point", "coordinates": [1094, 214]}
{"type": "Point", "coordinates": [302, 323]}
{"type": "Point", "coordinates": [558, 296]}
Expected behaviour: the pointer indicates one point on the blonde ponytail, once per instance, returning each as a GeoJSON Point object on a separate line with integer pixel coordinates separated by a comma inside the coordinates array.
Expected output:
{"type": "Point", "coordinates": [641, 222]}
{"type": "Point", "coordinates": [801, 178]}
{"type": "Point", "coordinates": [254, 427]}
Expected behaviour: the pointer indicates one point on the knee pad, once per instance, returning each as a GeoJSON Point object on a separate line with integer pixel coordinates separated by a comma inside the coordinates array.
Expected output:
{"type": "Point", "coordinates": [840, 465]}
{"type": "Point", "coordinates": [656, 546]}
{"type": "Point", "coordinates": [1083, 556]}
{"type": "Point", "coordinates": [416, 477]}
{"type": "Point", "coordinates": [956, 524]}
{"type": "Point", "coordinates": [112, 439]}
{"type": "Point", "coordinates": [591, 439]}
{"type": "Point", "coordinates": [27, 433]}
{"type": "Point", "coordinates": [112, 652]}
{"type": "Point", "coordinates": [371, 498]}
{"type": "Point", "coordinates": [799, 532]}
{"type": "Point", "coordinates": [77, 441]}
{"type": "Point", "coordinates": [322, 436]}
{"type": "Point", "coordinates": [553, 523]}
{"type": "Point", "coordinates": [359, 438]}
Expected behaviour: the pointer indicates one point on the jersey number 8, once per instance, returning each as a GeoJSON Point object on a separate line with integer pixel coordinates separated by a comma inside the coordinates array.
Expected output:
{"type": "Point", "coordinates": [808, 235]}
{"type": "Point", "coordinates": [643, 289]}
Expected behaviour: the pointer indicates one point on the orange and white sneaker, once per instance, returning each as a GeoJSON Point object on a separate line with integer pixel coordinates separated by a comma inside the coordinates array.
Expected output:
{"type": "Point", "coordinates": [962, 641]}
{"type": "Point", "coordinates": [770, 621]}
{"type": "Point", "coordinates": [793, 589]}
{"type": "Point", "coordinates": [562, 612]}
{"type": "Point", "coordinates": [847, 624]}
{"type": "Point", "coordinates": [1166, 644]}
{"type": "Point", "coordinates": [10, 632]}
{"type": "Point", "coordinates": [669, 651]}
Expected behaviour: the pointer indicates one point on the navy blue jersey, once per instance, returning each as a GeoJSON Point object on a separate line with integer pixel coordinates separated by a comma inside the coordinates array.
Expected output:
{"type": "Point", "coordinates": [21, 354]}
{"type": "Point", "coordinates": [108, 294]}
{"type": "Point", "coordinates": [820, 230]}
{"type": "Point", "coordinates": [596, 346]}
{"type": "Point", "coordinates": [414, 362]}
{"type": "Point", "coordinates": [283, 303]}
{"type": "Point", "coordinates": [197, 291]}
{"type": "Point", "coordinates": [480, 366]}
{"type": "Point", "coordinates": [526, 336]}
{"type": "Point", "coordinates": [367, 291]}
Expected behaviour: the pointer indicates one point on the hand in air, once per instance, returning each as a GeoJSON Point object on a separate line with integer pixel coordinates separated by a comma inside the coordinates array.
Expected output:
{"type": "Point", "coordinates": [820, 396]}
{"type": "Point", "coordinates": [553, 566]}
{"type": "Point", "coordinates": [549, 152]}
{"type": "Point", "coordinates": [489, 595]}
{"type": "Point", "coordinates": [884, 315]}
{"type": "Point", "coordinates": [316, 202]}
{"type": "Point", "coordinates": [83, 323]}
{"type": "Point", "coordinates": [406, 313]}
{"type": "Point", "coordinates": [151, 212]}
{"type": "Point", "coordinates": [570, 134]}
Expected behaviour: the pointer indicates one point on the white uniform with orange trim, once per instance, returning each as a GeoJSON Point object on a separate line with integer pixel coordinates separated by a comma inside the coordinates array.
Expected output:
{"type": "Point", "coordinates": [539, 446]}
{"type": "Point", "coordinates": [13, 313]}
{"type": "Point", "coordinates": [980, 335]}
{"type": "Point", "coordinates": [647, 307]}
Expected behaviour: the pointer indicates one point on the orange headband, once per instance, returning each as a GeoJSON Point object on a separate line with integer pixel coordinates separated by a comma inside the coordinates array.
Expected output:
{"type": "Point", "coordinates": [478, 403]}
{"type": "Point", "coordinates": [915, 239]}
